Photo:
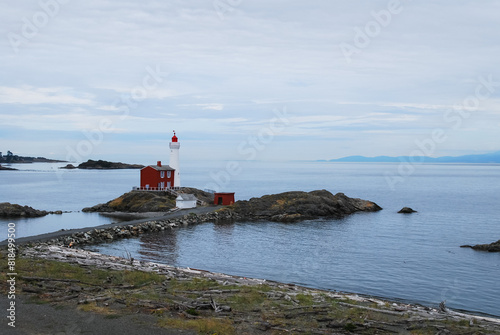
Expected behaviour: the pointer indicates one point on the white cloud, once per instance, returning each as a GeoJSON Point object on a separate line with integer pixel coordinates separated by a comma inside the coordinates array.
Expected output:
{"type": "Point", "coordinates": [70, 121]}
{"type": "Point", "coordinates": [29, 95]}
{"type": "Point", "coordinates": [211, 106]}
{"type": "Point", "coordinates": [112, 108]}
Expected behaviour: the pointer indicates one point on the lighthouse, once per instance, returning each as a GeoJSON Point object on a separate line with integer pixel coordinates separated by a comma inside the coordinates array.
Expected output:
{"type": "Point", "coordinates": [174, 160]}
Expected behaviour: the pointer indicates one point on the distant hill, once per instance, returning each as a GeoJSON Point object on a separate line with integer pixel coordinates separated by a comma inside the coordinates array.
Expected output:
{"type": "Point", "coordinates": [11, 158]}
{"type": "Point", "coordinates": [483, 158]}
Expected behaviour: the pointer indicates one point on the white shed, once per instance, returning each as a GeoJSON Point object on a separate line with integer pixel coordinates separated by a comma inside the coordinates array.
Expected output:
{"type": "Point", "coordinates": [184, 200]}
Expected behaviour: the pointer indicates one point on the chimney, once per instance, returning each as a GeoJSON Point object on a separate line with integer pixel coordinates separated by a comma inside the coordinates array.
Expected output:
{"type": "Point", "coordinates": [158, 163]}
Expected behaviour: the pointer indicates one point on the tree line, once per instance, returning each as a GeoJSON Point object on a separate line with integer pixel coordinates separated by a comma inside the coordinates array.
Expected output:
{"type": "Point", "coordinates": [11, 158]}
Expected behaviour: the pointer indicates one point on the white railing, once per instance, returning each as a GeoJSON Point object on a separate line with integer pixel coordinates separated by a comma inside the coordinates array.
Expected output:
{"type": "Point", "coordinates": [158, 189]}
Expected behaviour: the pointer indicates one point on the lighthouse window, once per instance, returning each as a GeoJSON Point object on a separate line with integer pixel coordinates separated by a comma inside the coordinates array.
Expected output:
{"type": "Point", "coordinates": [168, 174]}
{"type": "Point", "coordinates": [162, 174]}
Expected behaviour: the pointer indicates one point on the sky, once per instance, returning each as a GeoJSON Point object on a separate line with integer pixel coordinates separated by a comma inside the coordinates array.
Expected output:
{"type": "Point", "coordinates": [248, 80]}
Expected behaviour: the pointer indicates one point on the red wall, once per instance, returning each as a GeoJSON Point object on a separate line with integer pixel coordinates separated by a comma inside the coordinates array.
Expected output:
{"type": "Point", "coordinates": [152, 177]}
{"type": "Point", "coordinates": [227, 199]}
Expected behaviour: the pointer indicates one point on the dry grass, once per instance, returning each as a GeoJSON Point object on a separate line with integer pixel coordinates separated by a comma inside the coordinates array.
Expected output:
{"type": "Point", "coordinates": [280, 203]}
{"type": "Point", "coordinates": [59, 270]}
{"type": "Point", "coordinates": [116, 202]}
{"type": "Point", "coordinates": [94, 308]}
{"type": "Point", "coordinates": [197, 284]}
{"type": "Point", "coordinates": [209, 326]}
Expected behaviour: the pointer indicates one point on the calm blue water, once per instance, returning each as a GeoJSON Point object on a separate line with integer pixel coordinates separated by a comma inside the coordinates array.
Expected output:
{"type": "Point", "coordinates": [409, 257]}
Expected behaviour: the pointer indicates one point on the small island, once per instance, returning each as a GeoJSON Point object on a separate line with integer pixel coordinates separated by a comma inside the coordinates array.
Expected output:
{"type": "Point", "coordinates": [298, 206]}
{"type": "Point", "coordinates": [284, 207]}
{"type": "Point", "coordinates": [102, 165]}
{"type": "Point", "coordinates": [407, 210]}
{"type": "Point", "coordinates": [13, 210]}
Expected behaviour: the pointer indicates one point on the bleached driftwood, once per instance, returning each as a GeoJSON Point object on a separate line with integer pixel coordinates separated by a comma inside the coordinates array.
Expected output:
{"type": "Point", "coordinates": [88, 258]}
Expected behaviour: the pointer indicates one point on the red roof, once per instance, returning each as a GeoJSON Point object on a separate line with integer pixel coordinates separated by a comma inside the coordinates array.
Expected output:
{"type": "Point", "coordinates": [174, 138]}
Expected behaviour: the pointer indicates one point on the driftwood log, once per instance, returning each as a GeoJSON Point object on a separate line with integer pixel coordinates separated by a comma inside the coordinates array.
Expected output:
{"type": "Point", "coordinates": [286, 291]}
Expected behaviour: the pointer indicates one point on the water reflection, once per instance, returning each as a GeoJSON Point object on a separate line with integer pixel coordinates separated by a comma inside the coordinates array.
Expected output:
{"type": "Point", "coordinates": [223, 232]}
{"type": "Point", "coordinates": [51, 223]}
{"type": "Point", "coordinates": [160, 247]}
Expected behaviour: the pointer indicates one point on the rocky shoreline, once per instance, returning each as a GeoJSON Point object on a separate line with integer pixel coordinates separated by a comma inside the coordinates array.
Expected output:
{"type": "Point", "coordinates": [207, 302]}
{"type": "Point", "coordinates": [100, 235]}
{"type": "Point", "coordinates": [3, 168]}
{"type": "Point", "coordinates": [491, 247]}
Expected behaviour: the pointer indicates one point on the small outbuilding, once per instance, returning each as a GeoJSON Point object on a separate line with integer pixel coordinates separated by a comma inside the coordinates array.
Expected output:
{"type": "Point", "coordinates": [223, 198]}
{"type": "Point", "coordinates": [184, 200]}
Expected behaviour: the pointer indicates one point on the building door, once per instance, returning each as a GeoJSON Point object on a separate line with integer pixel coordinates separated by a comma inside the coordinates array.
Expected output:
{"type": "Point", "coordinates": [169, 184]}
{"type": "Point", "coordinates": [219, 201]}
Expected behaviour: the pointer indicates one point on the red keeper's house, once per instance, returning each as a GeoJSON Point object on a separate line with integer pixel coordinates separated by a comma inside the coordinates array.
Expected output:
{"type": "Point", "coordinates": [157, 177]}
{"type": "Point", "coordinates": [223, 198]}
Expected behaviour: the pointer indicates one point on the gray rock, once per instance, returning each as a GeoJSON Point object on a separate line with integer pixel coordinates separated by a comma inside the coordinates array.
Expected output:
{"type": "Point", "coordinates": [407, 210]}
{"type": "Point", "coordinates": [295, 206]}
{"type": "Point", "coordinates": [492, 247]}
{"type": "Point", "coordinates": [13, 210]}
{"type": "Point", "coordinates": [68, 167]}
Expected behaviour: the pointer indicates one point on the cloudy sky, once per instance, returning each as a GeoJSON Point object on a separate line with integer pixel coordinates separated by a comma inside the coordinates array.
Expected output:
{"type": "Point", "coordinates": [241, 79]}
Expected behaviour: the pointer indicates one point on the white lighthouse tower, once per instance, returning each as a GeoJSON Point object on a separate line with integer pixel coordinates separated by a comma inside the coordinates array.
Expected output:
{"type": "Point", "coordinates": [174, 160]}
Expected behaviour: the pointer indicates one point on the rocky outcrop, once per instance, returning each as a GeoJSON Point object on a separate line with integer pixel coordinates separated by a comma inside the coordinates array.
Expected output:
{"type": "Point", "coordinates": [407, 210]}
{"type": "Point", "coordinates": [147, 201]}
{"type": "Point", "coordinates": [13, 210]}
{"type": "Point", "coordinates": [103, 165]}
{"type": "Point", "coordinates": [6, 168]}
{"type": "Point", "coordinates": [283, 207]}
{"type": "Point", "coordinates": [295, 206]}
{"type": "Point", "coordinates": [492, 247]}
{"type": "Point", "coordinates": [137, 201]}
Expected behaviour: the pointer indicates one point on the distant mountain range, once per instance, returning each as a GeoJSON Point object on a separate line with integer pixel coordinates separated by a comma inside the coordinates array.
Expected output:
{"type": "Point", "coordinates": [483, 158]}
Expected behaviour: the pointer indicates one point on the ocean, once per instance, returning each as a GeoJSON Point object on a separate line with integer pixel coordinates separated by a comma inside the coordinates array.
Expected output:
{"type": "Point", "coordinates": [414, 258]}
